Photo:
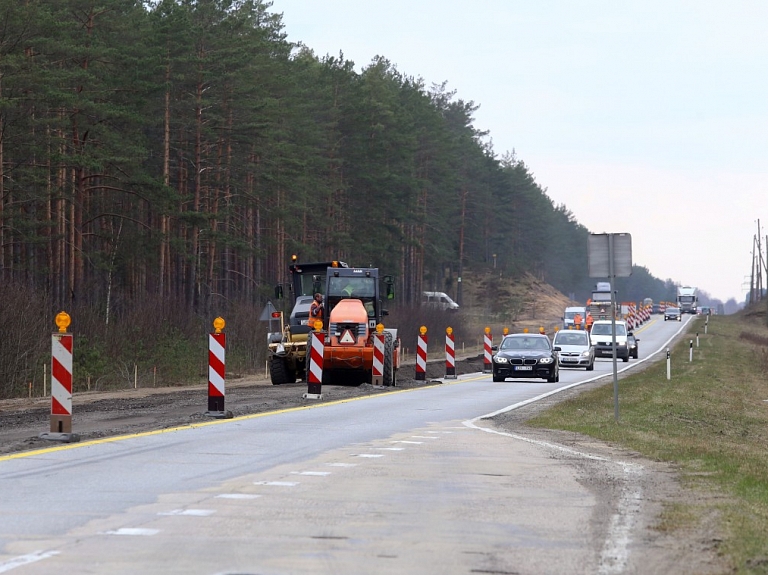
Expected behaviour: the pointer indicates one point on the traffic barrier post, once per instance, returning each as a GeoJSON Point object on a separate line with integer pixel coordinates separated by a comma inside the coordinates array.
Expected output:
{"type": "Point", "coordinates": [377, 371]}
{"type": "Point", "coordinates": [421, 355]}
{"type": "Point", "coordinates": [450, 354]}
{"type": "Point", "coordinates": [217, 345]}
{"type": "Point", "coordinates": [487, 351]}
{"type": "Point", "coordinates": [315, 363]}
{"type": "Point", "coordinates": [61, 383]}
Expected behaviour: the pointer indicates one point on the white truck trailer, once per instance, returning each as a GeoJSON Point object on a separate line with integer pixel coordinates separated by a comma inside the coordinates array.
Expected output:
{"type": "Point", "coordinates": [687, 300]}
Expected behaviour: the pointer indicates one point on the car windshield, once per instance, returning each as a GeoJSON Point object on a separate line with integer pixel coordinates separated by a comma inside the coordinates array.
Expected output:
{"type": "Point", "coordinates": [524, 343]}
{"type": "Point", "coordinates": [673, 310]}
{"type": "Point", "coordinates": [571, 338]}
{"type": "Point", "coordinates": [605, 329]}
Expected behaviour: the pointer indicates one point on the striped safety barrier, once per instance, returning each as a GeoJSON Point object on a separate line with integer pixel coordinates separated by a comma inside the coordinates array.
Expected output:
{"type": "Point", "coordinates": [217, 345]}
{"type": "Point", "coordinates": [62, 344]}
{"type": "Point", "coordinates": [450, 354]}
{"type": "Point", "coordinates": [315, 366]}
{"type": "Point", "coordinates": [377, 371]}
{"type": "Point", "coordinates": [487, 351]}
{"type": "Point", "coordinates": [421, 355]}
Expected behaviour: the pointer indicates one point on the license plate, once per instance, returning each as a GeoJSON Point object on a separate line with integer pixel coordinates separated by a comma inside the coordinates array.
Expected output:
{"type": "Point", "coordinates": [569, 359]}
{"type": "Point", "coordinates": [523, 368]}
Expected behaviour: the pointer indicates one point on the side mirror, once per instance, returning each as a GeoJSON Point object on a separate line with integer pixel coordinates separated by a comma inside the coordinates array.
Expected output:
{"type": "Point", "coordinates": [494, 348]}
{"type": "Point", "coordinates": [384, 312]}
{"type": "Point", "coordinates": [389, 281]}
{"type": "Point", "coordinates": [278, 291]}
{"type": "Point", "coordinates": [558, 348]}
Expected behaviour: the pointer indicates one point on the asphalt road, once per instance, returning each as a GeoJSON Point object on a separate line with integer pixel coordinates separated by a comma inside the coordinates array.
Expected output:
{"type": "Point", "coordinates": [414, 481]}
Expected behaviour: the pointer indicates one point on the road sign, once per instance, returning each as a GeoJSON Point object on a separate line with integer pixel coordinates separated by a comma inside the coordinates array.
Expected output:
{"type": "Point", "coordinates": [599, 250]}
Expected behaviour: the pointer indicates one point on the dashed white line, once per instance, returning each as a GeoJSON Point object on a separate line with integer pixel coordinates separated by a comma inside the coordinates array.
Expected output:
{"type": "Point", "coordinates": [409, 442]}
{"type": "Point", "coordinates": [190, 512]}
{"type": "Point", "coordinates": [390, 448]}
{"type": "Point", "coordinates": [371, 455]}
{"type": "Point", "coordinates": [277, 483]}
{"type": "Point", "coordinates": [133, 531]}
{"type": "Point", "coordinates": [26, 560]}
{"type": "Point", "coordinates": [311, 473]}
{"type": "Point", "coordinates": [342, 464]}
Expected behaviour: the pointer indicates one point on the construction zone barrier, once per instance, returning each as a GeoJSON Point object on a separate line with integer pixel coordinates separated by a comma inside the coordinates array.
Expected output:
{"type": "Point", "coordinates": [61, 383]}
{"type": "Point", "coordinates": [377, 369]}
{"type": "Point", "coordinates": [315, 363]}
{"type": "Point", "coordinates": [487, 351]}
{"type": "Point", "coordinates": [421, 355]}
{"type": "Point", "coordinates": [450, 354]}
{"type": "Point", "coordinates": [217, 344]}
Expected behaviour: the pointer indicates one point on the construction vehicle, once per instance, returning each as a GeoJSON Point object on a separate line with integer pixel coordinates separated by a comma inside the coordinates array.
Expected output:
{"type": "Point", "coordinates": [687, 300]}
{"type": "Point", "coordinates": [288, 347]}
{"type": "Point", "coordinates": [354, 311]}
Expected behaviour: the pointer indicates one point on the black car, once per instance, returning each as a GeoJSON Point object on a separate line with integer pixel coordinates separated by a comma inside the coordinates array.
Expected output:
{"type": "Point", "coordinates": [632, 345]}
{"type": "Point", "coordinates": [672, 313]}
{"type": "Point", "coordinates": [526, 355]}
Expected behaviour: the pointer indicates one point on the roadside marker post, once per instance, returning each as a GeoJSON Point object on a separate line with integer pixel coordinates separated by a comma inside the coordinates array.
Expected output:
{"type": "Point", "coordinates": [450, 354]}
{"type": "Point", "coordinates": [697, 339]}
{"type": "Point", "coordinates": [669, 366]}
{"type": "Point", "coordinates": [690, 352]}
{"type": "Point", "coordinates": [217, 345]}
{"type": "Point", "coordinates": [377, 370]}
{"type": "Point", "coordinates": [315, 363]}
{"type": "Point", "coordinates": [487, 350]}
{"type": "Point", "coordinates": [61, 383]}
{"type": "Point", "coordinates": [421, 355]}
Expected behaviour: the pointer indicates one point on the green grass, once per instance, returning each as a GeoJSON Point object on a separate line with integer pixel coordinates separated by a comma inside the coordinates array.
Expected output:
{"type": "Point", "coordinates": [711, 419]}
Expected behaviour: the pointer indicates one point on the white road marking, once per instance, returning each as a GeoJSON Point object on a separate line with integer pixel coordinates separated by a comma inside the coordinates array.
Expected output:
{"type": "Point", "coordinates": [410, 442]}
{"type": "Point", "coordinates": [315, 473]}
{"type": "Point", "coordinates": [368, 455]}
{"type": "Point", "coordinates": [238, 496]}
{"type": "Point", "coordinates": [424, 437]}
{"type": "Point", "coordinates": [132, 531]}
{"type": "Point", "coordinates": [342, 464]}
{"type": "Point", "coordinates": [26, 560]}
{"type": "Point", "coordinates": [391, 448]}
{"type": "Point", "coordinates": [190, 512]}
{"type": "Point", "coordinates": [277, 483]}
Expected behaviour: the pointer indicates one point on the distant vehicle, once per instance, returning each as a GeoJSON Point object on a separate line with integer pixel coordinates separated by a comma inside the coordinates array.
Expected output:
{"type": "Point", "coordinates": [687, 299]}
{"type": "Point", "coordinates": [526, 355]}
{"type": "Point", "coordinates": [570, 313]}
{"type": "Point", "coordinates": [672, 313]}
{"type": "Point", "coordinates": [705, 310]}
{"type": "Point", "coordinates": [632, 344]}
{"type": "Point", "coordinates": [602, 339]}
{"type": "Point", "coordinates": [656, 308]}
{"type": "Point", "coordinates": [439, 300]}
{"type": "Point", "coordinates": [574, 349]}
{"type": "Point", "coordinates": [648, 302]}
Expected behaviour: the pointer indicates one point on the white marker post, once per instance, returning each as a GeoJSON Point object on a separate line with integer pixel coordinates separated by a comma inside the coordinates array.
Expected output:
{"type": "Point", "coordinates": [690, 352]}
{"type": "Point", "coordinates": [669, 367]}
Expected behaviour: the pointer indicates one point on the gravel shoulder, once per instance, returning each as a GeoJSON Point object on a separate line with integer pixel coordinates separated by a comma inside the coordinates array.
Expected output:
{"type": "Point", "coordinates": [633, 492]}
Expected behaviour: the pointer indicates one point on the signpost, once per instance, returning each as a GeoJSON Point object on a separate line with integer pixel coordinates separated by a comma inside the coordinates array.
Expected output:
{"type": "Point", "coordinates": [610, 255]}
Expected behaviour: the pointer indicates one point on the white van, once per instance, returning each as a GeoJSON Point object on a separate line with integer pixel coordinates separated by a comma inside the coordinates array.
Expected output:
{"type": "Point", "coordinates": [602, 338]}
{"type": "Point", "coordinates": [570, 313]}
{"type": "Point", "coordinates": [439, 300]}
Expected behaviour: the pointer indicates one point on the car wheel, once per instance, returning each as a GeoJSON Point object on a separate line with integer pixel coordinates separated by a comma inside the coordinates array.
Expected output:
{"type": "Point", "coordinates": [625, 359]}
{"type": "Point", "coordinates": [591, 366]}
{"type": "Point", "coordinates": [497, 378]}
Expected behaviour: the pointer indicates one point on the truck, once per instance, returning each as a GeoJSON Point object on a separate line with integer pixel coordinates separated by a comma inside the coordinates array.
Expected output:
{"type": "Point", "coordinates": [287, 348]}
{"type": "Point", "coordinates": [570, 313]}
{"type": "Point", "coordinates": [354, 313]}
{"type": "Point", "coordinates": [687, 300]}
{"type": "Point", "coordinates": [599, 305]}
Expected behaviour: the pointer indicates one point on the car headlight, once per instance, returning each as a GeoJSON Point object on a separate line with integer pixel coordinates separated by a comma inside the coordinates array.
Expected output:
{"type": "Point", "coordinates": [546, 360]}
{"type": "Point", "coordinates": [585, 353]}
{"type": "Point", "coordinates": [498, 359]}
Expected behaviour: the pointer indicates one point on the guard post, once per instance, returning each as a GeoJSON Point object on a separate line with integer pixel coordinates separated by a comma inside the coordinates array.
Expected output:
{"type": "Point", "coordinates": [315, 362]}
{"type": "Point", "coordinates": [377, 369]}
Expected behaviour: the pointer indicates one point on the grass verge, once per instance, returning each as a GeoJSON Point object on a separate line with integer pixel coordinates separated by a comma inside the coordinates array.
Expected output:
{"type": "Point", "coordinates": [711, 419]}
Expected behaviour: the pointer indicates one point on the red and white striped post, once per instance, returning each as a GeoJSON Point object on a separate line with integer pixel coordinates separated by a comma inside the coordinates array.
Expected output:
{"type": "Point", "coordinates": [315, 363]}
{"type": "Point", "coordinates": [421, 355]}
{"type": "Point", "coordinates": [217, 345]}
{"type": "Point", "coordinates": [377, 371]}
{"type": "Point", "coordinates": [450, 354]}
{"type": "Point", "coordinates": [487, 351]}
{"type": "Point", "coordinates": [61, 383]}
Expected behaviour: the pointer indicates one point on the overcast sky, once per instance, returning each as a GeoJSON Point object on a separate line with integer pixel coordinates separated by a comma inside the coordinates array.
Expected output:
{"type": "Point", "coordinates": [643, 117]}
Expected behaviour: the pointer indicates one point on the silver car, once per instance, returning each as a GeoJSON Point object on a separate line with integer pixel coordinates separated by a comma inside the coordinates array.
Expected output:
{"type": "Point", "coordinates": [574, 349]}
